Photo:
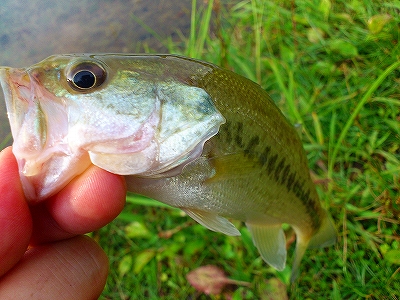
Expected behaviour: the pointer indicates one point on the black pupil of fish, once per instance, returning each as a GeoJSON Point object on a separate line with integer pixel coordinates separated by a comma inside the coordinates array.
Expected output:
{"type": "Point", "coordinates": [84, 79]}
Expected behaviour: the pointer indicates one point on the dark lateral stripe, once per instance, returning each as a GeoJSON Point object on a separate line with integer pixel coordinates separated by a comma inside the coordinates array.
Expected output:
{"type": "Point", "coordinates": [263, 157]}
{"type": "Point", "coordinates": [226, 133]}
{"type": "Point", "coordinates": [271, 163]}
{"type": "Point", "coordinates": [239, 135]}
{"type": "Point", "coordinates": [278, 170]}
{"type": "Point", "coordinates": [273, 166]}
{"type": "Point", "coordinates": [250, 149]}
{"type": "Point", "coordinates": [282, 174]}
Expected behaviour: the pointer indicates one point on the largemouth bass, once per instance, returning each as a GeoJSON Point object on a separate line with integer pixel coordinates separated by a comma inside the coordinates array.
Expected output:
{"type": "Point", "coordinates": [182, 131]}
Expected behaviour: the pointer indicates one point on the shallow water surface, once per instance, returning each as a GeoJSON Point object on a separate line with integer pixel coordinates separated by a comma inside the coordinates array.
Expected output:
{"type": "Point", "coordinates": [32, 30]}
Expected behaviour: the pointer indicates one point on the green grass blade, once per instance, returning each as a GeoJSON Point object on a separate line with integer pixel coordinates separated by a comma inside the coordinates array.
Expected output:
{"type": "Point", "coordinates": [192, 38]}
{"type": "Point", "coordinates": [257, 37]}
{"type": "Point", "coordinates": [332, 135]}
{"type": "Point", "coordinates": [149, 29]}
{"type": "Point", "coordinates": [197, 39]}
{"type": "Point", "coordinates": [318, 129]}
{"type": "Point", "coordinates": [145, 201]}
{"type": "Point", "coordinates": [204, 29]}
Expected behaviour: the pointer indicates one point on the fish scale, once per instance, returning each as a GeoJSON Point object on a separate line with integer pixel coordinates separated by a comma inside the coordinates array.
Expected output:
{"type": "Point", "coordinates": [198, 137]}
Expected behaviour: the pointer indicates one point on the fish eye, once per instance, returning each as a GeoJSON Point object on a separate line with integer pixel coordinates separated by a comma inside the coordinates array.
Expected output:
{"type": "Point", "coordinates": [86, 76]}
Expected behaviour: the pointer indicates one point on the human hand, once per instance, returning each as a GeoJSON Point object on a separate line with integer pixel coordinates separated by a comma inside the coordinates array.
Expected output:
{"type": "Point", "coordinates": [43, 254]}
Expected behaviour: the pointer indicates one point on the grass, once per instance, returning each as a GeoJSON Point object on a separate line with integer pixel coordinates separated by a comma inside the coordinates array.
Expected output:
{"type": "Point", "coordinates": [333, 67]}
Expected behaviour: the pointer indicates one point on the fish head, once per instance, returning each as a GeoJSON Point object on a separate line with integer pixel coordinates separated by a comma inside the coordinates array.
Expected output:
{"type": "Point", "coordinates": [125, 114]}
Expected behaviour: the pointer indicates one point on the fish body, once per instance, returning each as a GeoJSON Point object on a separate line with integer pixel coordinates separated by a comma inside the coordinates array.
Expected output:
{"type": "Point", "coordinates": [182, 131]}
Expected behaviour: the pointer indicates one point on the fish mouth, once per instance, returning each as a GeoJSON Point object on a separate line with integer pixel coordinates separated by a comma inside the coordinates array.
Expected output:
{"type": "Point", "coordinates": [38, 126]}
{"type": "Point", "coordinates": [27, 122]}
{"type": "Point", "coordinates": [16, 86]}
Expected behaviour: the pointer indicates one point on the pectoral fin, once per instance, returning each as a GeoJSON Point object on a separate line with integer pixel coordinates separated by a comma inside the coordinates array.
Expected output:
{"type": "Point", "coordinates": [212, 221]}
{"type": "Point", "coordinates": [271, 243]}
{"type": "Point", "coordinates": [230, 166]}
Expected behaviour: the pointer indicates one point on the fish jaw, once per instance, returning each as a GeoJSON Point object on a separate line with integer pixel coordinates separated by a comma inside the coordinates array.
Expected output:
{"type": "Point", "coordinates": [39, 126]}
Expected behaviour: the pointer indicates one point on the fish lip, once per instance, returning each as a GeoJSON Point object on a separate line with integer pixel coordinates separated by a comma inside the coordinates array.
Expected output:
{"type": "Point", "coordinates": [6, 87]}
{"type": "Point", "coordinates": [17, 89]}
{"type": "Point", "coordinates": [12, 89]}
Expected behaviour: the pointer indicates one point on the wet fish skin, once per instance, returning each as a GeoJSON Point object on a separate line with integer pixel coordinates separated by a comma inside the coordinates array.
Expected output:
{"type": "Point", "coordinates": [254, 170]}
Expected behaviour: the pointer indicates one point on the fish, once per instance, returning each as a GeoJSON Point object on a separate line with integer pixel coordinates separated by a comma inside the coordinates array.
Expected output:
{"type": "Point", "coordinates": [182, 131]}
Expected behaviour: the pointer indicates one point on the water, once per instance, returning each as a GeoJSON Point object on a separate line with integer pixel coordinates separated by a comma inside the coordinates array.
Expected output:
{"type": "Point", "coordinates": [32, 30]}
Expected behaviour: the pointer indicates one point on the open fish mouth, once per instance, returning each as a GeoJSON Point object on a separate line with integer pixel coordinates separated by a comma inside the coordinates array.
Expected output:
{"type": "Point", "coordinates": [35, 140]}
